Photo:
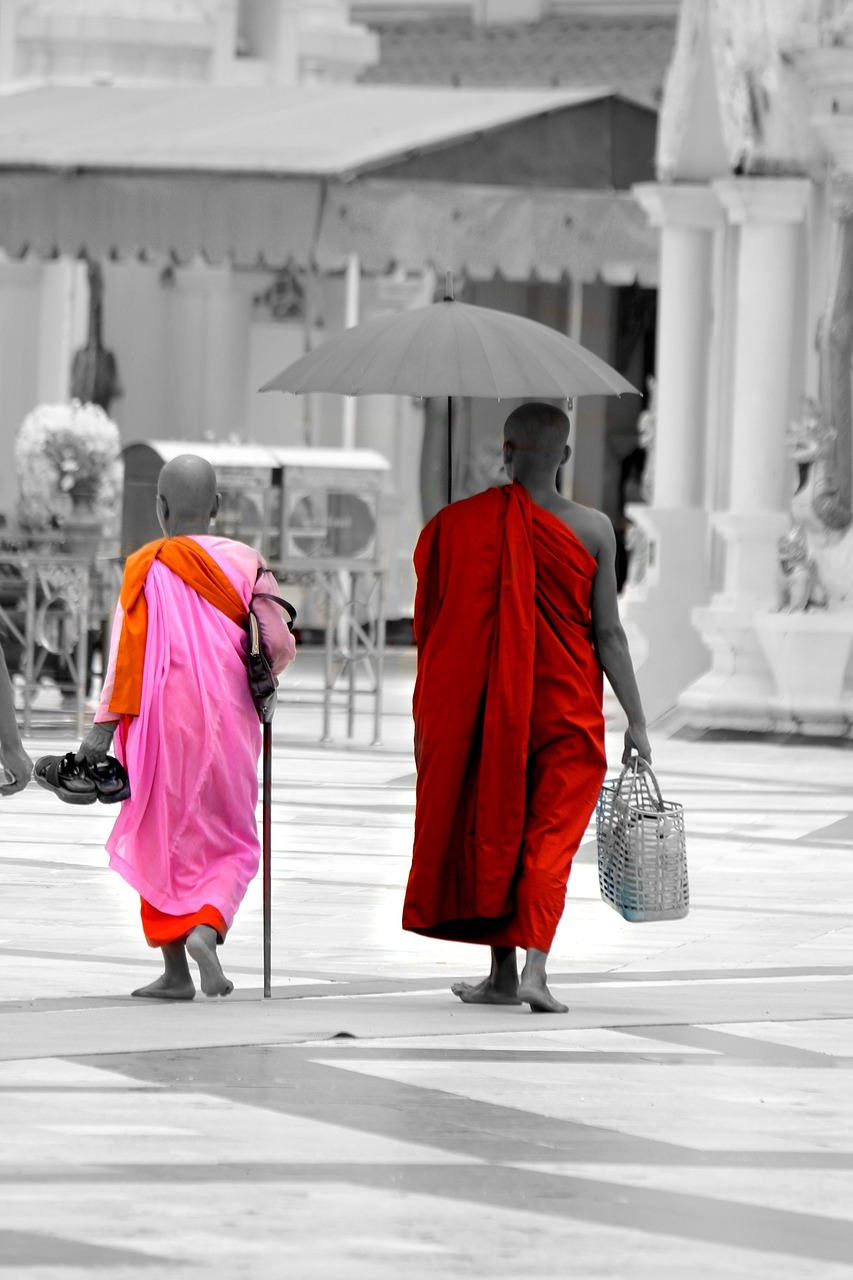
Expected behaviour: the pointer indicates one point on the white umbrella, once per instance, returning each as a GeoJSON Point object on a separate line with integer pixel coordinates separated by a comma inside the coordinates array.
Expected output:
{"type": "Point", "coordinates": [452, 349]}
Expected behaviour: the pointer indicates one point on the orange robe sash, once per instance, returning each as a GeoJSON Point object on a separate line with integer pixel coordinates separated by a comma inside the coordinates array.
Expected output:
{"type": "Point", "coordinates": [194, 566]}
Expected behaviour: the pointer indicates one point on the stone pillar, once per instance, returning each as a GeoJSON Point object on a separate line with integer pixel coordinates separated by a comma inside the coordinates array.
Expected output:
{"type": "Point", "coordinates": [9, 41]}
{"type": "Point", "coordinates": [688, 216]}
{"type": "Point", "coordinates": [352, 309]}
{"type": "Point", "coordinates": [207, 355]}
{"type": "Point", "coordinates": [226, 354]}
{"type": "Point", "coordinates": [224, 41]}
{"type": "Point", "coordinates": [657, 606]}
{"type": "Point", "coordinates": [20, 318]}
{"type": "Point", "coordinates": [770, 213]}
{"type": "Point", "coordinates": [768, 216]}
{"type": "Point", "coordinates": [62, 325]}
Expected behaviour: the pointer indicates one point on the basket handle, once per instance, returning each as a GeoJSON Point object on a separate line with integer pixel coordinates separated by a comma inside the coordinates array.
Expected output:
{"type": "Point", "coordinates": [634, 766]}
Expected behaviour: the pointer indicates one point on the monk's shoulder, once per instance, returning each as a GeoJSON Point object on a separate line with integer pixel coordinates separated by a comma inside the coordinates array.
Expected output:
{"type": "Point", "coordinates": [238, 554]}
{"type": "Point", "coordinates": [468, 510]}
{"type": "Point", "coordinates": [142, 557]}
{"type": "Point", "coordinates": [591, 526]}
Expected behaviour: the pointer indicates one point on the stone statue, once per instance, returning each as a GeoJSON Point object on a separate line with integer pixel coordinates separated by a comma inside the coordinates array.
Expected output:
{"type": "Point", "coordinates": [94, 373]}
{"type": "Point", "coordinates": [799, 586]}
{"type": "Point", "coordinates": [820, 508]}
{"type": "Point", "coordinates": [821, 442]}
{"type": "Point", "coordinates": [646, 430]}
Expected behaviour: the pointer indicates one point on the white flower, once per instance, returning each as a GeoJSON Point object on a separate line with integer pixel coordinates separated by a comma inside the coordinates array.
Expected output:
{"type": "Point", "coordinates": [62, 450]}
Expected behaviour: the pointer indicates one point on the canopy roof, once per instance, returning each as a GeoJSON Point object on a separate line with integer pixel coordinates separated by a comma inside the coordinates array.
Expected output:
{"type": "Point", "coordinates": [333, 131]}
{"type": "Point", "coordinates": [278, 177]}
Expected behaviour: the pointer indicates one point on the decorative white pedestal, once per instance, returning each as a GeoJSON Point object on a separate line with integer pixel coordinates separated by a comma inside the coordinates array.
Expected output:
{"type": "Point", "coordinates": [809, 656]}
{"type": "Point", "coordinates": [738, 692]}
{"type": "Point", "coordinates": [666, 648]}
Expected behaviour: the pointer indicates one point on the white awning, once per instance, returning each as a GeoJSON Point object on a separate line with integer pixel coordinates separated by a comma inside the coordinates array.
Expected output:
{"type": "Point", "coordinates": [482, 231]}
{"type": "Point", "coordinates": [258, 176]}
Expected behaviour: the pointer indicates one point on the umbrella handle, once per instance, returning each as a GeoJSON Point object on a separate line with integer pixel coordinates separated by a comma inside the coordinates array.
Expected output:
{"type": "Point", "coordinates": [449, 450]}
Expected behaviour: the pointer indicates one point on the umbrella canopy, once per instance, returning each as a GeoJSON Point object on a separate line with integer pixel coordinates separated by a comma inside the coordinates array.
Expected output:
{"type": "Point", "coordinates": [452, 349]}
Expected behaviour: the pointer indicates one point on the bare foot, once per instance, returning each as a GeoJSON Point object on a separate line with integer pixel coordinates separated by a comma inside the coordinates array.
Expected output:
{"type": "Point", "coordinates": [533, 990]}
{"type": "Point", "coordinates": [167, 988]}
{"type": "Point", "coordinates": [201, 945]}
{"type": "Point", "coordinates": [485, 992]}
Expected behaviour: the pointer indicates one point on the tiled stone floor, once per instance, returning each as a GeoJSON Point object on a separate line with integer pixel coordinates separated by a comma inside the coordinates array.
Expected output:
{"type": "Point", "coordinates": [691, 1117]}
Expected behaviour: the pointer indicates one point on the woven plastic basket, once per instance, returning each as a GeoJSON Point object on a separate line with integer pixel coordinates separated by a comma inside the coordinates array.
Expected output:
{"type": "Point", "coordinates": [642, 854]}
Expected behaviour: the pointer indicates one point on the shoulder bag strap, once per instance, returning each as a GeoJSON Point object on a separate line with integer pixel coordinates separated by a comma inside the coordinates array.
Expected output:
{"type": "Point", "coordinates": [265, 595]}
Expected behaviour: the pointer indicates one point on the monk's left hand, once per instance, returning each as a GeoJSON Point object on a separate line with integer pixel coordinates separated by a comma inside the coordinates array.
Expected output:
{"type": "Point", "coordinates": [96, 744]}
{"type": "Point", "coordinates": [637, 740]}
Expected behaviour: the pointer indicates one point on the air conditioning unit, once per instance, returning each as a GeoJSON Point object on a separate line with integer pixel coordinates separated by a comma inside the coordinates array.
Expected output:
{"type": "Point", "coordinates": [331, 506]}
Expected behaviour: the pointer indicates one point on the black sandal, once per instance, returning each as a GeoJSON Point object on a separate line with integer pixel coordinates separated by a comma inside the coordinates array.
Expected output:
{"type": "Point", "coordinates": [110, 778]}
{"type": "Point", "coordinates": [65, 778]}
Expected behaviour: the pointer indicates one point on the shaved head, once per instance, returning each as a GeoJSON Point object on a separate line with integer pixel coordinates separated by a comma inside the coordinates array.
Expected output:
{"type": "Point", "coordinates": [535, 437]}
{"type": "Point", "coordinates": [186, 495]}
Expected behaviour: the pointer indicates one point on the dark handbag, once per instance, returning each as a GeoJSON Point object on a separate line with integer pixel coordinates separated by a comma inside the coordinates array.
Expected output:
{"type": "Point", "coordinates": [262, 683]}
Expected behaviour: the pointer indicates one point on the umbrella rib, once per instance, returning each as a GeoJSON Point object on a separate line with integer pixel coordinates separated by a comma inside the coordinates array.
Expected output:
{"type": "Point", "coordinates": [462, 318]}
{"type": "Point", "coordinates": [452, 349]}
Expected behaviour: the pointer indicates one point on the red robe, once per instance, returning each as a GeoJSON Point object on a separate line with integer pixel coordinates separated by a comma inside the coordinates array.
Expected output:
{"type": "Point", "coordinates": [509, 730]}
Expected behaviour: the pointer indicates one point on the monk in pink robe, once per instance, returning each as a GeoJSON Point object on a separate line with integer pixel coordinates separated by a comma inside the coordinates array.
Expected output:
{"type": "Point", "coordinates": [176, 705]}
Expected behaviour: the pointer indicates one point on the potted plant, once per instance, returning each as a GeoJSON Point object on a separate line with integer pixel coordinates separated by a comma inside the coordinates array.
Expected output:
{"type": "Point", "coordinates": [69, 472]}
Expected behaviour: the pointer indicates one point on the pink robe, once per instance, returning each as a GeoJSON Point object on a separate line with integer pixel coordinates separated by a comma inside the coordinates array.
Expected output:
{"type": "Point", "coordinates": [188, 836]}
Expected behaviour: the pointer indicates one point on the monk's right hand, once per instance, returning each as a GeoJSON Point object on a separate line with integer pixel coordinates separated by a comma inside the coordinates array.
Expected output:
{"type": "Point", "coordinates": [637, 740]}
{"type": "Point", "coordinates": [96, 744]}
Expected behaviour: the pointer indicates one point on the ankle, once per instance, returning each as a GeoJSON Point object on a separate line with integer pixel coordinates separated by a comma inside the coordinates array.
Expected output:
{"type": "Point", "coordinates": [534, 965]}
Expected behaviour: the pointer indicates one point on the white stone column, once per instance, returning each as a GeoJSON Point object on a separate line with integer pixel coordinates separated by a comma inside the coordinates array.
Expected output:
{"type": "Point", "coordinates": [767, 215]}
{"type": "Point", "coordinates": [352, 309]}
{"type": "Point", "coordinates": [657, 609]}
{"type": "Point", "coordinates": [226, 355]}
{"type": "Point", "coordinates": [62, 325]}
{"type": "Point", "coordinates": [770, 214]}
{"type": "Point", "coordinates": [688, 216]}
{"type": "Point", "coordinates": [20, 315]}
{"type": "Point", "coordinates": [9, 41]}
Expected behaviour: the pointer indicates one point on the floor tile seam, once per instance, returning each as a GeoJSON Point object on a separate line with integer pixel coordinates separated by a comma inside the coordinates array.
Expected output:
{"type": "Point", "coordinates": [43, 863]}
{"type": "Point", "coordinates": [709, 1061]}
{"type": "Point", "coordinates": [694, 1159]}
{"type": "Point", "coordinates": [753, 842]}
{"type": "Point", "coordinates": [329, 993]}
{"type": "Point", "coordinates": [65, 957]}
{"type": "Point", "coordinates": [319, 1052]}
{"type": "Point", "coordinates": [808, 913]}
{"type": "Point", "coordinates": [313, 1047]}
{"type": "Point", "coordinates": [655, 1212]}
{"type": "Point", "coordinates": [77, 957]}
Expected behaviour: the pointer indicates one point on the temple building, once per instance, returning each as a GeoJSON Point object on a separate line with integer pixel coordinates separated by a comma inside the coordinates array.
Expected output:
{"type": "Point", "coordinates": [253, 176]}
{"type": "Point", "coordinates": [740, 614]}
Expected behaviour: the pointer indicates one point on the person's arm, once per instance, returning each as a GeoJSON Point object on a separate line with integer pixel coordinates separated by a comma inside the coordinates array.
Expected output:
{"type": "Point", "coordinates": [13, 757]}
{"type": "Point", "coordinates": [612, 645]}
{"type": "Point", "coordinates": [276, 638]}
{"type": "Point", "coordinates": [98, 741]}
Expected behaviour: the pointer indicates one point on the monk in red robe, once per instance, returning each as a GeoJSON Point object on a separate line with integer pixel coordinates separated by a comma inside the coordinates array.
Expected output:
{"type": "Point", "coordinates": [516, 620]}
{"type": "Point", "coordinates": [176, 696]}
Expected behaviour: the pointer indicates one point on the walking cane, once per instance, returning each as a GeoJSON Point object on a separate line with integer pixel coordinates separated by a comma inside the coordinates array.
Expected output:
{"type": "Point", "coordinates": [264, 685]}
{"type": "Point", "coordinates": [267, 851]}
